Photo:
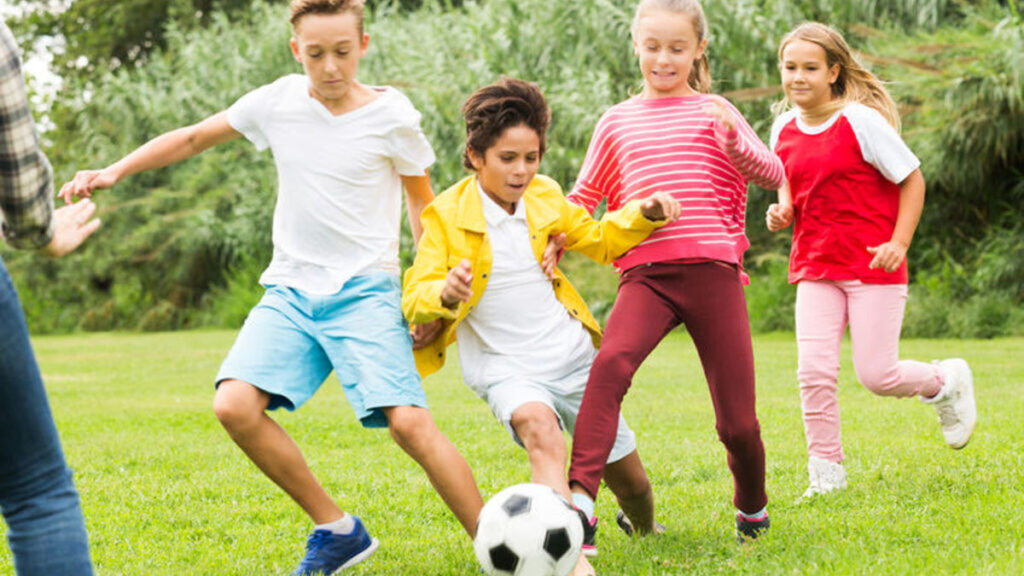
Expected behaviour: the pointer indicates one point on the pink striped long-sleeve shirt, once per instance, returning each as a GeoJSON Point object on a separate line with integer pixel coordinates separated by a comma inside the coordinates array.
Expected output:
{"type": "Point", "coordinates": [672, 145]}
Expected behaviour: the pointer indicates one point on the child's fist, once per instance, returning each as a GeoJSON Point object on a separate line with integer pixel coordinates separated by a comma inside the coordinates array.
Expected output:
{"type": "Point", "coordinates": [722, 114]}
{"type": "Point", "coordinates": [660, 206]}
{"type": "Point", "coordinates": [888, 256]}
{"type": "Point", "coordinates": [457, 285]}
{"type": "Point", "coordinates": [778, 216]}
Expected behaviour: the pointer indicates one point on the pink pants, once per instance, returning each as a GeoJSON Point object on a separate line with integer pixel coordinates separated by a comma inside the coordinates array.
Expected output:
{"type": "Point", "coordinates": [874, 313]}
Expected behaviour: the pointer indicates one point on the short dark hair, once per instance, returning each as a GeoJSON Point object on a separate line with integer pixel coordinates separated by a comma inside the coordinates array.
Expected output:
{"type": "Point", "coordinates": [301, 8]}
{"type": "Point", "coordinates": [507, 103]}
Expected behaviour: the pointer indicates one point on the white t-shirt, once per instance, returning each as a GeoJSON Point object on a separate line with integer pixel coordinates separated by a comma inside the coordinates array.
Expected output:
{"type": "Point", "coordinates": [519, 329]}
{"type": "Point", "coordinates": [880, 144]}
{"type": "Point", "coordinates": [339, 200]}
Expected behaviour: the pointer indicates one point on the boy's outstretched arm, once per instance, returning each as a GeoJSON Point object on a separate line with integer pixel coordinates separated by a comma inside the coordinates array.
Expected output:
{"type": "Point", "coordinates": [164, 150]}
{"type": "Point", "coordinates": [418, 194]}
{"type": "Point", "coordinates": [605, 240]}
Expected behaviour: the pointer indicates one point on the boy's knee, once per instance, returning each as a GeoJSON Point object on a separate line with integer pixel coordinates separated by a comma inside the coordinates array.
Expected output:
{"type": "Point", "coordinates": [238, 404]}
{"type": "Point", "coordinates": [410, 425]}
{"type": "Point", "coordinates": [537, 426]}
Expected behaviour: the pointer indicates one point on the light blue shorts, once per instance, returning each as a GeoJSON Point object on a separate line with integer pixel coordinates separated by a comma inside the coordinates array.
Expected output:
{"type": "Point", "coordinates": [292, 340]}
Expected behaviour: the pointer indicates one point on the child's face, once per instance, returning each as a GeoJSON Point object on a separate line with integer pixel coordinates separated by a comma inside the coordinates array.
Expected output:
{"type": "Point", "coordinates": [806, 77]}
{"type": "Point", "coordinates": [508, 167]}
{"type": "Point", "coordinates": [667, 46]}
{"type": "Point", "coordinates": [329, 47]}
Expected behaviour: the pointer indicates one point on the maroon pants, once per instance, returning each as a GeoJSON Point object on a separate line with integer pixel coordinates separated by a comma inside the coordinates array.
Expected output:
{"type": "Point", "coordinates": [653, 299]}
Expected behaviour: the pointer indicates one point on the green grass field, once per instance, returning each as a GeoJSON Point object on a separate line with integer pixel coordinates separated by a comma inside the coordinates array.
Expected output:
{"type": "Point", "coordinates": [165, 491]}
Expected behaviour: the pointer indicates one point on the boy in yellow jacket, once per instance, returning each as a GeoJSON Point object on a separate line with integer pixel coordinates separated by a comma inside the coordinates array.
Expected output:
{"type": "Point", "coordinates": [526, 341]}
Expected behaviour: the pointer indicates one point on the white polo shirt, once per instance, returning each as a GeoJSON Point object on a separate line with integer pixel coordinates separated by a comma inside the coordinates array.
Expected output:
{"type": "Point", "coordinates": [339, 197]}
{"type": "Point", "coordinates": [518, 329]}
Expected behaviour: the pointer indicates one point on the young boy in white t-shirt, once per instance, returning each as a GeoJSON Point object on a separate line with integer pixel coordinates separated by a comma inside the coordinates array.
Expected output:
{"type": "Point", "coordinates": [343, 152]}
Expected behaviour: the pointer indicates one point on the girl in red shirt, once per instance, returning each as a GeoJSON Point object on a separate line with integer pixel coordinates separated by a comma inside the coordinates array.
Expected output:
{"type": "Point", "coordinates": [854, 194]}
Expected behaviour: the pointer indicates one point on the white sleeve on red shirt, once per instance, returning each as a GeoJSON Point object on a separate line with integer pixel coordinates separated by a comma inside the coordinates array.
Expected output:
{"type": "Point", "coordinates": [880, 144]}
{"type": "Point", "coordinates": [780, 122]}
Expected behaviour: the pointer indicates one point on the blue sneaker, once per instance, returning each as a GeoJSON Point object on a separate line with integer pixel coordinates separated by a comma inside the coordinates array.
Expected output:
{"type": "Point", "coordinates": [327, 551]}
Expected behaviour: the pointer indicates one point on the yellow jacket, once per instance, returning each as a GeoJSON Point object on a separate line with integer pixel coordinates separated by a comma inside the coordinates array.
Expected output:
{"type": "Point", "coordinates": [454, 228]}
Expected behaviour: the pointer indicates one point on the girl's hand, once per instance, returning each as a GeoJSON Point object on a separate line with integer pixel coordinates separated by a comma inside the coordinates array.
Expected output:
{"type": "Point", "coordinates": [723, 115]}
{"type": "Point", "coordinates": [888, 256]}
{"type": "Point", "coordinates": [84, 182]}
{"type": "Point", "coordinates": [549, 261]}
{"type": "Point", "coordinates": [457, 285]}
{"type": "Point", "coordinates": [660, 206]}
{"type": "Point", "coordinates": [778, 216]}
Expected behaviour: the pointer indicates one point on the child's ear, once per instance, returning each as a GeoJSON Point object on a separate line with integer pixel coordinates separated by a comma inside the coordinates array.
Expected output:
{"type": "Point", "coordinates": [293, 43]}
{"type": "Point", "coordinates": [833, 73]}
{"type": "Point", "coordinates": [475, 159]}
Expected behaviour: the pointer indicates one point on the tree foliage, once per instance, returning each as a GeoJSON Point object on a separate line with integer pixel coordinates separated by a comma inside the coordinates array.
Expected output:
{"type": "Point", "coordinates": [183, 246]}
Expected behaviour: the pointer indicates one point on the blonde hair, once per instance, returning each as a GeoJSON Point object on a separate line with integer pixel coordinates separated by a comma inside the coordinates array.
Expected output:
{"type": "Point", "coordinates": [700, 74]}
{"type": "Point", "coordinates": [855, 83]}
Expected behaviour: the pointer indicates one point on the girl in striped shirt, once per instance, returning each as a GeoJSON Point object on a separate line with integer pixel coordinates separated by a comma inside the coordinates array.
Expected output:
{"type": "Point", "coordinates": [678, 138]}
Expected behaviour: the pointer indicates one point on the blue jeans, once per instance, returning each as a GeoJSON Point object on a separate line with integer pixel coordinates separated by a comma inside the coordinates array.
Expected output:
{"type": "Point", "coordinates": [46, 530]}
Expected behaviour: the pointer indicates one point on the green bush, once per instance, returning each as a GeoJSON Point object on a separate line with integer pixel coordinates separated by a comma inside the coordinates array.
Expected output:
{"type": "Point", "coordinates": [771, 299]}
{"type": "Point", "coordinates": [193, 236]}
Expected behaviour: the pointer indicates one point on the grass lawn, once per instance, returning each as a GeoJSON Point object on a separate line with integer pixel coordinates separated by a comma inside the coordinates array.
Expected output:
{"type": "Point", "coordinates": [166, 492]}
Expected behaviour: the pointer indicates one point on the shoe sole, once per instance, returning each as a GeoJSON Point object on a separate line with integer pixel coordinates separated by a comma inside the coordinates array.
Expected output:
{"type": "Point", "coordinates": [374, 543]}
{"type": "Point", "coordinates": [590, 551]}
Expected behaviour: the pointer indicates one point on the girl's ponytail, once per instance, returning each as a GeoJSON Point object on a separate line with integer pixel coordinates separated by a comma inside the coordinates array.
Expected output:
{"type": "Point", "coordinates": [700, 75]}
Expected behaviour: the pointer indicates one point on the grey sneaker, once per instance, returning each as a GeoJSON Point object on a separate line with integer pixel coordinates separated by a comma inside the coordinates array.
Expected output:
{"type": "Point", "coordinates": [955, 402]}
{"type": "Point", "coordinates": [623, 521]}
{"type": "Point", "coordinates": [824, 476]}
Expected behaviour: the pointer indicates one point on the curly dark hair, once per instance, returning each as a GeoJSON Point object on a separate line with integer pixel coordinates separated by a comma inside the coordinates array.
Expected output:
{"type": "Point", "coordinates": [505, 104]}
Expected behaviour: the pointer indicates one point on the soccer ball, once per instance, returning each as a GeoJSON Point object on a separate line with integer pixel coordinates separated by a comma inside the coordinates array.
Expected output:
{"type": "Point", "coordinates": [528, 530]}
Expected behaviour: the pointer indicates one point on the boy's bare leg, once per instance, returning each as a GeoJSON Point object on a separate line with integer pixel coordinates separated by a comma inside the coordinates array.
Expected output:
{"type": "Point", "coordinates": [537, 427]}
{"type": "Point", "coordinates": [627, 479]}
{"type": "Point", "coordinates": [240, 407]}
{"type": "Point", "coordinates": [414, 430]}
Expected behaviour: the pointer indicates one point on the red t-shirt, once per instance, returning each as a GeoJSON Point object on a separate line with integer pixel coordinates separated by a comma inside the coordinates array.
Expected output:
{"type": "Point", "coordinates": [843, 177]}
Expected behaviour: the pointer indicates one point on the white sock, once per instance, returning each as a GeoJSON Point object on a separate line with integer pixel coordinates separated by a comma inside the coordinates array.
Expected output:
{"type": "Point", "coordinates": [583, 502]}
{"type": "Point", "coordinates": [760, 515]}
{"type": "Point", "coordinates": [344, 525]}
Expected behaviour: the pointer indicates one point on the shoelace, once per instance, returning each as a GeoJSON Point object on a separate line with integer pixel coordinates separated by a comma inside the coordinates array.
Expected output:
{"type": "Point", "coordinates": [315, 541]}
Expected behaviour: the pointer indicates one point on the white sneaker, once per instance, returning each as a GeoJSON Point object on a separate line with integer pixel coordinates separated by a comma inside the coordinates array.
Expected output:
{"type": "Point", "coordinates": [825, 476]}
{"type": "Point", "coordinates": [955, 402]}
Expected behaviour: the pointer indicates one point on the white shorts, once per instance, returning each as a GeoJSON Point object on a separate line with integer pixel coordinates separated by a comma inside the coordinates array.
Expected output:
{"type": "Point", "coordinates": [564, 399]}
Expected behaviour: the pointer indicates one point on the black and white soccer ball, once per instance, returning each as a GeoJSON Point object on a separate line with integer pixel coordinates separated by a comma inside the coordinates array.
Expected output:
{"type": "Point", "coordinates": [528, 530]}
